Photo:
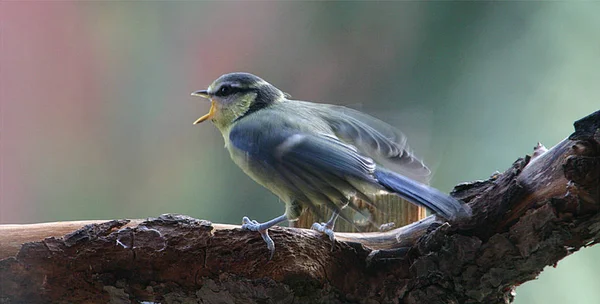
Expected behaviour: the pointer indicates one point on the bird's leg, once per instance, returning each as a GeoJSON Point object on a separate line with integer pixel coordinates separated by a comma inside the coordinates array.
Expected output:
{"type": "Point", "coordinates": [262, 228]}
{"type": "Point", "coordinates": [327, 228]}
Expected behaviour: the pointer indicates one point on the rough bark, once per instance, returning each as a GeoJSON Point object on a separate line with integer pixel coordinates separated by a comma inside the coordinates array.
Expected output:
{"type": "Point", "coordinates": [537, 212]}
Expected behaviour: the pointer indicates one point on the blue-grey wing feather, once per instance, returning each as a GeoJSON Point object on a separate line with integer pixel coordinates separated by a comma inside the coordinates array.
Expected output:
{"type": "Point", "coordinates": [310, 166]}
{"type": "Point", "coordinates": [316, 168]}
{"type": "Point", "coordinates": [375, 138]}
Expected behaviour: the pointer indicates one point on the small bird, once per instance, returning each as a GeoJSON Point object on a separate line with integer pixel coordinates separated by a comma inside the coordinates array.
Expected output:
{"type": "Point", "coordinates": [310, 154]}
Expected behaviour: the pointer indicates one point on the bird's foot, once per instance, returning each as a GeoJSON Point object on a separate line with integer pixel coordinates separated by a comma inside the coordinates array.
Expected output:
{"type": "Point", "coordinates": [253, 225]}
{"type": "Point", "coordinates": [326, 229]}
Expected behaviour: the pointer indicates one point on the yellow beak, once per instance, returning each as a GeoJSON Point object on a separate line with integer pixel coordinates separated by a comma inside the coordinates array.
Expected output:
{"type": "Point", "coordinates": [212, 110]}
{"type": "Point", "coordinates": [210, 114]}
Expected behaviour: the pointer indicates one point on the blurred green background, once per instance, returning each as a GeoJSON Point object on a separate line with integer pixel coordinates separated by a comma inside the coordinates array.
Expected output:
{"type": "Point", "coordinates": [97, 117]}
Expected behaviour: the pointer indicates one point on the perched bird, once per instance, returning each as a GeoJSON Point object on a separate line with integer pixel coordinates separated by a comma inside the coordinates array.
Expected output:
{"type": "Point", "coordinates": [310, 154]}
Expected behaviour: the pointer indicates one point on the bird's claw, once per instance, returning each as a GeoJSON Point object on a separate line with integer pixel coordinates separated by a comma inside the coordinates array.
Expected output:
{"type": "Point", "coordinates": [250, 224]}
{"type": "Point", "coordinates": [325, 229]}
{"type": "Point", "coordinates": [253, 225]}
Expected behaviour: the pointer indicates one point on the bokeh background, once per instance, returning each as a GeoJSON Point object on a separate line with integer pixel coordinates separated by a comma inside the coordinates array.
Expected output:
{"type": "Point", "coordinates": [96, 116]}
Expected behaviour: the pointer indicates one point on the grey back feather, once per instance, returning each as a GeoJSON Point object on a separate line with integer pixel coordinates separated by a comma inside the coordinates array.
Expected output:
{"type": "Point", "coordinates": [373, 138]}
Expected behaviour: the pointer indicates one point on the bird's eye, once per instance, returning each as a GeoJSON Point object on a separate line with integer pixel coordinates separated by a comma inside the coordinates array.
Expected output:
{"type": "Point", "coordinates": [225, 90]}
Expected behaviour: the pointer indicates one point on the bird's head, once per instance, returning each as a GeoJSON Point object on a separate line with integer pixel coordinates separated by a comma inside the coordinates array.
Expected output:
{"type": "Point", "coordinates": [236, 95]}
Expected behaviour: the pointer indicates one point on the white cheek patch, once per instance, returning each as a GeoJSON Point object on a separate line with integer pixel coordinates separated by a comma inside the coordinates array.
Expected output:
{"type": "Point", "coordinates": [288, 144]}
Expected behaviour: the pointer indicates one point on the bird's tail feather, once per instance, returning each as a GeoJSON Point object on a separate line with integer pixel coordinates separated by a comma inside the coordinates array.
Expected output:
{"type": "Point", "coordinates": [423, 195]}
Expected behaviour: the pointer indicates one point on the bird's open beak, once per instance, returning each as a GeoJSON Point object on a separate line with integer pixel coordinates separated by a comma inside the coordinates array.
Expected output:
{"type": "Point", "coordinates": [211, 112]}
{"type": "Point", "coordinates": [201, 93]}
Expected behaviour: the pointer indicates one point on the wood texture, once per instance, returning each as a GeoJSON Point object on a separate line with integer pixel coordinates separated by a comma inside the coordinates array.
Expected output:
{"type": "Point", "coordinates": [392, 211]}
{"type": "Point", "coordinates": [530, 216]}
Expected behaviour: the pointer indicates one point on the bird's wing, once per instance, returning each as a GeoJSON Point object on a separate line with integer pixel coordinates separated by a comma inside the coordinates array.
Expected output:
{"type": "Point", "coordinates": [316, 168]}
{"type": "Point", "coordinates": [376, 139]}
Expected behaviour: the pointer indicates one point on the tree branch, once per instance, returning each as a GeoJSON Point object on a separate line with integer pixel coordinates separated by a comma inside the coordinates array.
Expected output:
{"type": "Point", "coordinates": [537, 212]}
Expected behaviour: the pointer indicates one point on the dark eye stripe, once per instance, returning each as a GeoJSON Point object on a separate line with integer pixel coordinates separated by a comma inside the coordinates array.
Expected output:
{"type": "Point", "coordinates": [227, 90]}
